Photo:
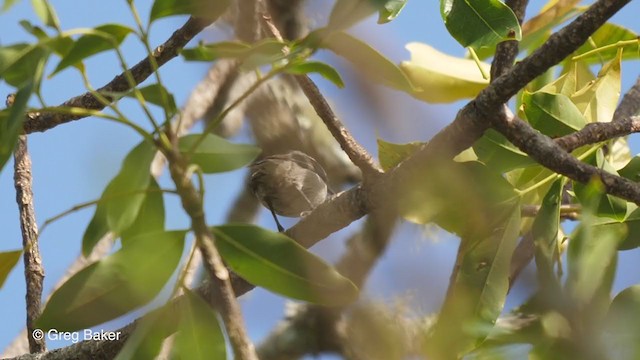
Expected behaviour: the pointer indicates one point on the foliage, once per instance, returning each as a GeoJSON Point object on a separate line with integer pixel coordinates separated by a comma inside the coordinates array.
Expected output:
{"type": "Point", "coordinates": [478, 197]}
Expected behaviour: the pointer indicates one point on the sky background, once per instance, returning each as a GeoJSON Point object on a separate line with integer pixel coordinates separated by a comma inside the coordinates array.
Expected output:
{"type": "Point", "coordinates": [73, 162]}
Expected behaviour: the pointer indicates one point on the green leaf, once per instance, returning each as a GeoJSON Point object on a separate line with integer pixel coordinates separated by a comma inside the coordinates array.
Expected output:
{"type": "Point", "coordinates": [326, 71]}
{"type": "Point", "coordinates": [608, 206]}
{"type": "Point", "coordinates": [274, 261]}
{"type": "Point", "coordinates": [499, 154]}
{"type": "Point", "coordinates": [154, 94]}
{"type": "Point", "coordinates": [390, 11]}
{"type": "Point", "coordinates": [102, 38]}
{"type": "Point", "coordinates": [366, 59]}
{"type": "Point", "coordinates": [552, 114]}
{"type": "Point", "coordinates": [150, 216]}
{"type": "Point", "coordinates": [122, 199]}
{"type": "Point", "coordinates": [346, 13]}
{"type": "Point", "coordinates": [216, 154]}
{"type": "Point", "coordinates": [598, 99]}
{"type": "Point", "coordinates": [11, 55]}
{"type": "Point", "coordinates": [46, 13]}
{"type": "Point", "coordinates": [592, 251]}
{"type": "Point", "coordinates": [211, 52]}
{"type": "Point", "coordinates": [480, 286]}
{"type": "Point", "coordinates": [545, 238]}
{"type": "Point", "coordinates": [480, 23]}
{"type": "Point", "coordinates": [7, 4]}
{"type": "Point", "coordinates": [11, 123]}
{"type": "Point", "coordinates": [609, 34]}
{"type": "Point", "coordinates": [121, 282]}
{"type": "Point", "coordinates": [8, 261]}
{"type": "Point", "coordinates": [390, 154]}
{"type": "Point", "coordinates": [441, 78]}
{"type": "Point", "coordinates": [459, 197]}
{"type": "Point", "coordinates": [150, 332]}
{"type": "Point", "coordinates": [24, 70]}
{"type": "Point", "coordinates": [622, 336]}
{"type": "Point", "coordinates": [199, 333]}
{"type": "Point", "coordinates": [632, 240]}
{"type": "Point", "coordinates": [206, 9]}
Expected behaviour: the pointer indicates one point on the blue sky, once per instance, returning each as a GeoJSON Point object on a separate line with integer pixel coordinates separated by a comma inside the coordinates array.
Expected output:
{"type": "Point", "coordinates": [72, 163]}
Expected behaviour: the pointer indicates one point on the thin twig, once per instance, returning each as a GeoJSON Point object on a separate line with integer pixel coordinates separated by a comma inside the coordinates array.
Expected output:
{"type": "Point", "coordinates": [594, 133]}
{"type": "Point", "coordinates": [162, 54]}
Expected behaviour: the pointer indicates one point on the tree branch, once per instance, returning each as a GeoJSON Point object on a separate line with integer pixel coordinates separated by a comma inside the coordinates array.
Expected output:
{"type": "Point", "coordinates": [598, 132]}
{"type": "Point", "coordinates": [40, 122]}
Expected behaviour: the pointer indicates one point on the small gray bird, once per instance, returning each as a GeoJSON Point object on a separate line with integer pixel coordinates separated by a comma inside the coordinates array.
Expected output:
{"type": "Point", "coordinates": [289, 184]}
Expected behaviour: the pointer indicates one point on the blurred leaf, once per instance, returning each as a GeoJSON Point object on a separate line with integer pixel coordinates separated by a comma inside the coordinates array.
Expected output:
{"type": "Point", "coordinates": [326, 71]}
{"type": "Point", "coordinates": [11, 123]}
{"type": "Point", "coordinates": [545, 238]}
{"type": "Point", "coordinates": [609, 34]}
{"type": "Point", "coordinates": [150, 216]}
{"type": "Point", "coordinates": [122, 199]}
{"type": "Point", "coordinates": [477, 297]}
{"type": "Point", "coordinates": [499, 154]}
{"type": "Point", "coordinates": [46, 13]}
{"type": "Point", "coordinates": [149, 334]}
{"type": "Point", "coordinates": [219, 50]}
{"type": "Point", "coordinates": [390, 11]}
{"type": "Point", "coordinates": [154, 94]}
{"type": "Point", "coordinates": [621, 334]}
{"type": "Point", "coordinates": [480, 23]}
{"type": "Point", "coordinates": [199, 333]}
{"type": "Point", "coordinates": [632, 240]}
{"type": "Point", "coordinates": [206, 9]}
{"type": "Point", "coordinates": [216, 154]}
{"type": "Point", "coordinates": [459, 197]}
{"type": "Point", "coordinates": [102, 38]}
{"type": "Point", "coordinates": [391, 154]}
{"type": "Point", "coordinates": [539, 27]}
{"type": "Point", "coordinates": [29, 65]}
{"type": "Point", "coordinates": [8, 261]}
{"type": "Point", "coordinates": [598, 100]}
{"type": "Point", "coordinates": [632, 170]}
{"type": "Point", "coordinates": [346, 13]}
{"type": "Point", "coordinates": [7, 4]}
{"type": "Point", "coordinates": [552, 114]}
{"type": "Point", "coordinates": [441, 78]}
{"type": "Point", "coordinates": [369, 61]}
{"type": "Point", "coordinates": [274, 261]}
{"type": "Point", "coordinates": [608, 205]}
{"type": "Point", "coordinates": [121, 282]}
{"type": "Point", "coordinates": [592, 252]}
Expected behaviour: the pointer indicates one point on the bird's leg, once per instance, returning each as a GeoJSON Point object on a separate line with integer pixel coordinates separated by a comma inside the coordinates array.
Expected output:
{"type": "Point", "coordinates": [273, 213]}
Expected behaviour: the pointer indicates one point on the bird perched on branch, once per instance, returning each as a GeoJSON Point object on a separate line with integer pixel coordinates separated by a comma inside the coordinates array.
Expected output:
{"type": "Point", "coordinates": [289, 184]}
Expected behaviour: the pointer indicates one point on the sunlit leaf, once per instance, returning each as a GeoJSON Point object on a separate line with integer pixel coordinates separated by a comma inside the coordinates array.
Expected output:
{"type": "Point", "coordinates": [276, 262]}
{"type": "Point", "coordinates": [495, 151]}
{"type": "Point", "coordinates": [609, 34]}
{"type": "Point", "coordinates": [391, 154]}
{"type": "Point", "coordinates": [441, 78]}
{"type": "Point", "coordinates": [215, 154]}
{"type": "Point", "coordinates": [207, 9]}
{"type": "Point", "coordinates": [480, 23]}
{"type": "Point", "coordinates": [576, 76]}
{"type": "Point", "coordinates": [102, 38]}
{"type": "Point", "coordinates": [366, 59]}
{"type": "Point", "coordinates": [121, 282]}
{"type": "Point", "coordinates": [598, 100]}
{"type": "Point", "coordinates": [199, 333]}
{"type": "Point", "coordinates": [8, 261]}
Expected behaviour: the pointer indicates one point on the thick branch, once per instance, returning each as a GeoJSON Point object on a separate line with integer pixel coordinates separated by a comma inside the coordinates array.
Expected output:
{"type": "Point", "coordinates": [162, 54]}
{"type": "Point", "coordinates": [507, 51]}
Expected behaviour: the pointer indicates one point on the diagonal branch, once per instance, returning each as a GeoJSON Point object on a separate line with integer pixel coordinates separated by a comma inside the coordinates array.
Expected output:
{"type": "Point", "coordinates": [597, 132]}
{"type": "Point", "coordinates": [41, 122]}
